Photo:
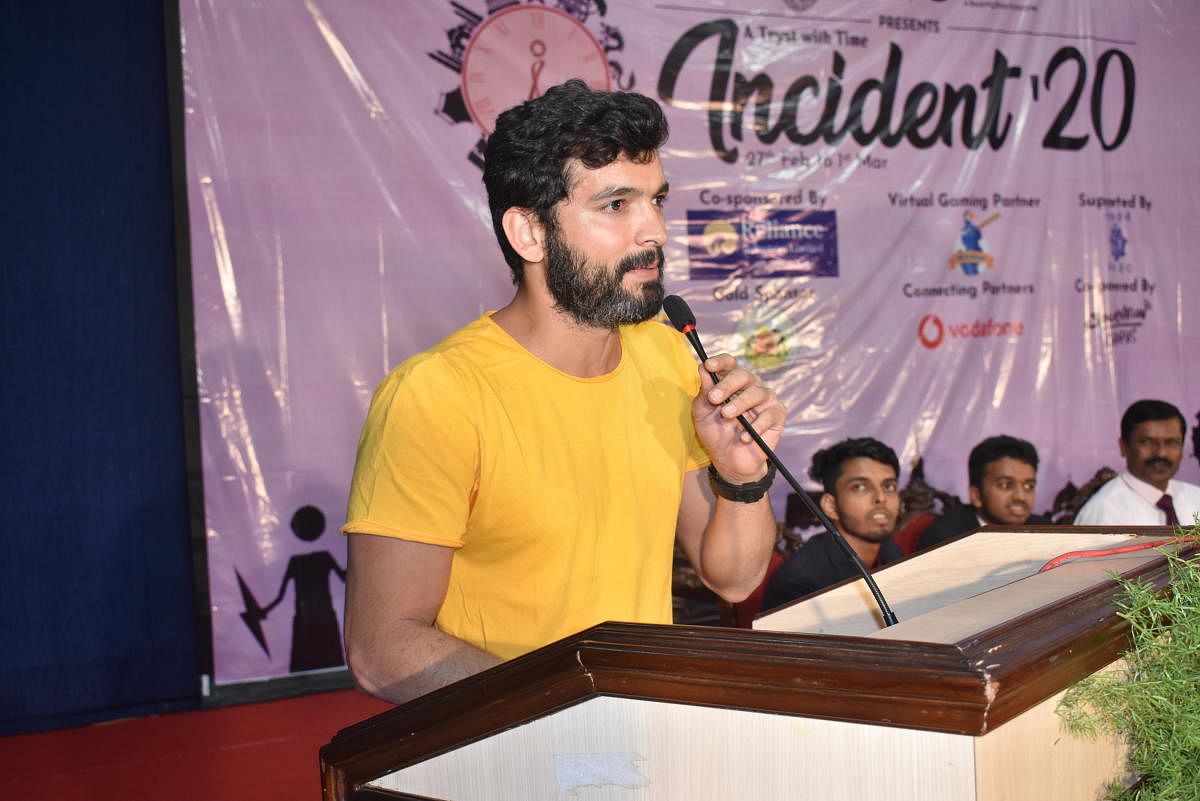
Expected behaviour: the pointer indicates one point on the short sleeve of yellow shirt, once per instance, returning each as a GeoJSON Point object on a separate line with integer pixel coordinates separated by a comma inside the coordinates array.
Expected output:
{"type": "Point", "coordinates": [559, 494]}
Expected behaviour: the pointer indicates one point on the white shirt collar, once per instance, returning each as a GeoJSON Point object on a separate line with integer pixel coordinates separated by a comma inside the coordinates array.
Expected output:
{"type": "Point", "coordinates": [1148, 492]}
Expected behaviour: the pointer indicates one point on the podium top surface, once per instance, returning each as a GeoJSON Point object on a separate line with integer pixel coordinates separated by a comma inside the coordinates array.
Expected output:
{"type": "Point", "coordinates": [966, 585]}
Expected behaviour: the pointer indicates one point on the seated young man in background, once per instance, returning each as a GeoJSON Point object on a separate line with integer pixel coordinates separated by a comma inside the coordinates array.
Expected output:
{"type": "Point", "coordinates": [862, 498]}
{"type": "Point", "coordinates": [1002, 479]}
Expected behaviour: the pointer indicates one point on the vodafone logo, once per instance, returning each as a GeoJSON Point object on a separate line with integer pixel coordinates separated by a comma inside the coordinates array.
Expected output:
{"type": "Point", "coordinates": [931, 331]}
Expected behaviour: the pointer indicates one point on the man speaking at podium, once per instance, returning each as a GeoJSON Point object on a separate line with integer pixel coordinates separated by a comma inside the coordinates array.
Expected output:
{"type": "Point", "coordinates": [526, 477]}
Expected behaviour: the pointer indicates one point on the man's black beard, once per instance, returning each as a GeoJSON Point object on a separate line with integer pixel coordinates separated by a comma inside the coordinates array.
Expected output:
{"type": "Point", "coordinates": [592, 295]}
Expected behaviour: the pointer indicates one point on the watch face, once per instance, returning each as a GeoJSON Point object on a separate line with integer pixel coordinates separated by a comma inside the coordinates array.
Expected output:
{"type": "Point", "coordinates": [518, 53]}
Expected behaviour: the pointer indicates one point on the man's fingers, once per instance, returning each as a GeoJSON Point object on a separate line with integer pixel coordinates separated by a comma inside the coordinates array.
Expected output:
{"type": "Point", "coordinates": [755, 396]}
{"type": "Point", "coordinates": [731, 384]}
{"type": "Point", "coordinates": [764, 420]}
{"type": "Point", "coordinates": [721, 363]}
{"type": "Point", "coordinates": [740, 392]}
{"type": "Point", "coordinates": [771, 417]}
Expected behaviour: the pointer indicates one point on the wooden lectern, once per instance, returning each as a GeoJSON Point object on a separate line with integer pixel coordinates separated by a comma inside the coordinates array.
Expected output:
{"type": "Point", "coordinates": [818, 703]}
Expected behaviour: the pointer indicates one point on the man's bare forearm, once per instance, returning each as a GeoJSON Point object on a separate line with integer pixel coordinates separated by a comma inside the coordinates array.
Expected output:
{"type": "Point", "coordinates": [736, 547]}
{"type": "Point", "coordinates": [413, 659]}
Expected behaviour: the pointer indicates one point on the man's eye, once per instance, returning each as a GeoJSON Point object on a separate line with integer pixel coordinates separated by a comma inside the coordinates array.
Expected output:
{"type": "Point", "coordinates": [660, 200]}
{"type": "Point", "coordinates": [614, 205]}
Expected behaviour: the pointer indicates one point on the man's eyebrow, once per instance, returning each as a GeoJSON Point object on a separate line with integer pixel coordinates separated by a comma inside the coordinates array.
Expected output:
{"type": "Point", "coordinates": [868, 479]}
{"type": "Point", "coordinates": [610, 192]}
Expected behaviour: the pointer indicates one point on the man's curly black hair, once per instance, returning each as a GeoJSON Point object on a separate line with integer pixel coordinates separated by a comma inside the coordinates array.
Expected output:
{"type": "Point", "coordinates": [528, 160]}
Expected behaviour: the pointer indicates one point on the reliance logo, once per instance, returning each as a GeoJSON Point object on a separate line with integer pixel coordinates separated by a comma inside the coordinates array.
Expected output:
{"type": "Point", "coordinates": [931, 331]}
{"type": "Point", "coordinates": [762, 243]}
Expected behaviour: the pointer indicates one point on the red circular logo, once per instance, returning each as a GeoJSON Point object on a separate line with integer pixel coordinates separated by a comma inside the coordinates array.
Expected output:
{"type": "Point", "coordinates": [930, 331]}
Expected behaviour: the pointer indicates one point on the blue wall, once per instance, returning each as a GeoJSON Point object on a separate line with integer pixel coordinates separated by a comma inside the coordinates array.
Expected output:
{"type": "Point", "coordinates": [96, 593]}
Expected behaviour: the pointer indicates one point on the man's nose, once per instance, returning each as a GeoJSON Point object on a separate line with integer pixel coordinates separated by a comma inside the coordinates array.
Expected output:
{"type": "Point", "coordinates": [1155, 451]}
{"type": "Point", "coordinates": [652, 230]}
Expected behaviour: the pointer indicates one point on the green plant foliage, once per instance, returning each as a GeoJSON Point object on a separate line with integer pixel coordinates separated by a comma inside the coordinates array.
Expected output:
{"type": "Point", "coordinates": [1155, 701]}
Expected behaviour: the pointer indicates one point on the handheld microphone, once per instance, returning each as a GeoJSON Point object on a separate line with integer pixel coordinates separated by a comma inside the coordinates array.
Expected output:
{"type": "Point", "coordinates": [684, 321]}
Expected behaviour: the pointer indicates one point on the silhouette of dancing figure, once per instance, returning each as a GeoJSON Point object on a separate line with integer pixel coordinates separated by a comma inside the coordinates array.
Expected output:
{"type": "Point", "coordinates": [316, 636]}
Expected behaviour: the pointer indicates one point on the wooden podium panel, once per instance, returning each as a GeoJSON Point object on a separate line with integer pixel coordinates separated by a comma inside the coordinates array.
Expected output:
{"type": "Point", "coordinates": [960, 706]}
{"type": "Point", "coordinates": [617, 749]}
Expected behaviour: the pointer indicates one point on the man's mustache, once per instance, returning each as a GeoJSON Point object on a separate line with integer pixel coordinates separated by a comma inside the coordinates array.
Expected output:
{"type": "Point", "coordinates": [1159, 461]}
{"type": "Point", "coordinates": [643, 258]}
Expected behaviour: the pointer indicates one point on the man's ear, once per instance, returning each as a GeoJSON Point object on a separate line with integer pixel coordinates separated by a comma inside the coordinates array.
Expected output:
{"type": "Point", "coordinates": [525, 234]}
{"type": "Point", "coordinates": [829, 506]}
{"type": "Point", "coordinates": [976, 497]}
{"type": "Point", "coordinates": [1121, 445]}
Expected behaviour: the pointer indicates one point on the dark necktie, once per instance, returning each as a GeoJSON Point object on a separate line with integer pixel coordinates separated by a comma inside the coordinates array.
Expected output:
{"type": "Point", "coordinates": [1167, 506]}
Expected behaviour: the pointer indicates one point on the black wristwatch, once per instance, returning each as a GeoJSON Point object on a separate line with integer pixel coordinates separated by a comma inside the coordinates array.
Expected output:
{"type": "Point", "coordinates": [742, 493]}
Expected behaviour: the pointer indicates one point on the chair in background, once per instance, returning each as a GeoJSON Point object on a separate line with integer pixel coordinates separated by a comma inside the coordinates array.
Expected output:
{"type": "Point", "coordinates": [917, 502]}
{"type": "Point", "coordinates": [1070, 499]}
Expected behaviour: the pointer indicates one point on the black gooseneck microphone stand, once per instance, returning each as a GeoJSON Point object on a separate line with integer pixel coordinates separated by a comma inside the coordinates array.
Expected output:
{"type": "Point", "coordinates": [682, 318]}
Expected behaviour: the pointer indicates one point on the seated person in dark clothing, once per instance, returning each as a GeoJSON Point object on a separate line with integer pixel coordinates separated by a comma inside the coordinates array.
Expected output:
{"type": "Point", "coordinates": [862, 498]}
{"type": "Point", "coordinates": [1002, 474]}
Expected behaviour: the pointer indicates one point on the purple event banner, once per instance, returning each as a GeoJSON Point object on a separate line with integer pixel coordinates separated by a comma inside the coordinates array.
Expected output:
{"type": "Point", "coordinates": [929, 224]}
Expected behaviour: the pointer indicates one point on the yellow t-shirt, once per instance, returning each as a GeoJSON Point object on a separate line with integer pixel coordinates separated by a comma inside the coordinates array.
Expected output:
{"type": "Point", "coordinates": [559, 494]}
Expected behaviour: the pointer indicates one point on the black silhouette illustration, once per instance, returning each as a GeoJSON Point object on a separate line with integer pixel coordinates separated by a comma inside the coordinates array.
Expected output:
{"type": "Point", "coordinates": [316, 637]}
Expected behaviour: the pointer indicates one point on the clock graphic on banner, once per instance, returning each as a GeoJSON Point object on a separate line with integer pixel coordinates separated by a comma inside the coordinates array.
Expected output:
{"type": "Point", "coordinates": [517, 54]}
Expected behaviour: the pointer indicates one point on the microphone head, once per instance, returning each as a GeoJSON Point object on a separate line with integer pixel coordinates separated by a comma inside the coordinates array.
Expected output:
{"type": "Point", "coordinates": [678, 312]}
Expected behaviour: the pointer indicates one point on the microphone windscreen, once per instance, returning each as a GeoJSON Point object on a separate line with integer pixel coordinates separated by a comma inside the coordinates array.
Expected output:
{"type": "Point", "coordinates": [678, 312]}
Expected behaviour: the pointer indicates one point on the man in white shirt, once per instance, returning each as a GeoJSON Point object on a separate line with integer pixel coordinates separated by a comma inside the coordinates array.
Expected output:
{"type": "Point", "coordinates": [1145, 493]}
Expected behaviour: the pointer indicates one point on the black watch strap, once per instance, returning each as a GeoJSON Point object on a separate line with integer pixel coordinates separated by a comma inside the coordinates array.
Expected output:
{"type": "Point", "coordinates": [742, 493]}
